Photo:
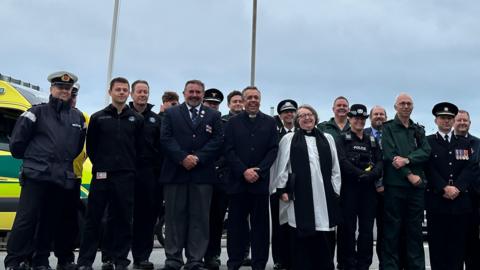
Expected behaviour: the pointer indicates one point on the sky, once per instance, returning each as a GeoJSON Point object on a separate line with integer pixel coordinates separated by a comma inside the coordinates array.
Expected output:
{"type": "Point", "coordinates": [307, 50]}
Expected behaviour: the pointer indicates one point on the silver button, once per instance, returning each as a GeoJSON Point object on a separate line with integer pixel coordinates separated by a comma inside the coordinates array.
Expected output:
{"type": "Point", "coordinates": [450, 163]}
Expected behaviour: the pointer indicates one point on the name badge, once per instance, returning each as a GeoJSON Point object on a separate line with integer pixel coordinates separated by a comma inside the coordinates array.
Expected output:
{"type": "Point", "coordinates": [101, 175]}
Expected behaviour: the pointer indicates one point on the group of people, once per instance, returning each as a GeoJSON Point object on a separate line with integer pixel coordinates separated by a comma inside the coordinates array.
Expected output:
{"type": "Point", "coordinates": [323, 182]}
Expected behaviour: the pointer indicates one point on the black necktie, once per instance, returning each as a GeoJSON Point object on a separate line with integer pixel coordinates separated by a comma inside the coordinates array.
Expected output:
{"type": "Point", "coordinates": [194, 114]}
{"type": "Point", "coordinates": [446, 138]}
{"type": "Point", "coordinates": [379, 135]}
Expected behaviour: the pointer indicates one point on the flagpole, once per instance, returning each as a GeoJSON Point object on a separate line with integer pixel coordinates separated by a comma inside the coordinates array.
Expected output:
{"type": "Point", "coordinates": [254, 40]}
{"type": "Point", "coordinates": [113, 41]}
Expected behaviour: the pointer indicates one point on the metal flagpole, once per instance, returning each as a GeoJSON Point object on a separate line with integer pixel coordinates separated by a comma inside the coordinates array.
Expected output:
{"type": "Point", "coordinates": [113, 41]}
{"type": "Point", "coordinates": [254, 40]}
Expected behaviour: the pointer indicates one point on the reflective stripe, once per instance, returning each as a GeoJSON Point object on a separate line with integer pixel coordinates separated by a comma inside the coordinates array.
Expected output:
{"type": "Point", "coordinates": [29, 115]}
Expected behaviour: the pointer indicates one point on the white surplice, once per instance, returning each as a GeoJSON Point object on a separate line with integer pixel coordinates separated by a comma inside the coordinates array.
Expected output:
{"type": "Point", "coordinates": [279, 176]}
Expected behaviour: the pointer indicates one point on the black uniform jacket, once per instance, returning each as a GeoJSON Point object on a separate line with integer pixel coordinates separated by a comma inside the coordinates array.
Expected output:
{"type": "Point", "coordinates": [180, 137]}
{"type": "Point", "coordinates": [48, 137]}
{"type": "Point", "coordinates": [247, 145]}
{"type": "Point", "coordinates": [449, 163]}
{"type": "Point", "coordinates": [150, 155]}
{"type": "Point", "coordinates": [114, 141]}
{"type": "Point", "coordinates": [358, 155]}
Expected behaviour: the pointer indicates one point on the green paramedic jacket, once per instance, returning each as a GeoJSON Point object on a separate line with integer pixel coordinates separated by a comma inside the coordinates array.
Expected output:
{"type": "Point", "coordinates": [398, 140]}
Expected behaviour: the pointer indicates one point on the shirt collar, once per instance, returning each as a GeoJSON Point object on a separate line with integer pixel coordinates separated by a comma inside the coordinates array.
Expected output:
{"type": "Point", "coordinates": [443, 135]}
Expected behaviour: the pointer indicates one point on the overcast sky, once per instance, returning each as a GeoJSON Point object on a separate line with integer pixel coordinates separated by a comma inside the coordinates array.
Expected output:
{"type": "Point", "coordinates": [307, 50]}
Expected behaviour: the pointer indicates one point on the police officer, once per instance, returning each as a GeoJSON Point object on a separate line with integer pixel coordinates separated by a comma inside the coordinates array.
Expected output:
{"type": "Point", "coordinates": [47, 137]}
{"type": "Point", "coordinates": [218, 207]}
{"type": "Point", "coordinates": [146, 190]}
{"type": "Point", "coordinates": [67, 232]}
{"type": "Point", "coordinates": [448, 201]}
{"type": "Point", "coordinates": [405, 152]}
{"type": "Point", "coordinates": [361, 168]}
{"type": "Point", "coordinates": [114, 144]}
{"type": "Point", "coordinates": [287, 110]}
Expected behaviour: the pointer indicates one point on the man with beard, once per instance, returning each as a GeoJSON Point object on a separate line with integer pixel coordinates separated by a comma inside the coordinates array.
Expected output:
{"type": "Point", "coordinates": [378, 116]}
{"type": "Point", "coordinates": [287, 110]}
{"type": "Point", "coordinates": [192, 138]}
{"type": "Point", "coordinates": [461, 128]}
{"type": "Point", "coordinates": [448, 204]}
{"type": "Point", "coordinates": [114, 143]}
{"type": "Point", "coordinates": [146, 186]}
{"type": "Point", "coordinates": [47, 137]}
{"type": "Point", "coordinates": [405, 151]}
{"type": "Point", "coordinates": [251, 146]}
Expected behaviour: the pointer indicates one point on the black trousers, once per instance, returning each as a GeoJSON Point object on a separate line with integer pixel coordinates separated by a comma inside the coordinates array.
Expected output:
{"type": "Point", "coordinates": [472, 251]}
{"type": "Point", "coordinates": [66, 229]}
{"type": "Point", "coordinates": [218, 209]}
{"type": "Point", "coordinates": [446, 240]}
{"type": "Point", "coordinates": [116, 193]}
{"type": "Point", "coordinates": [312, 252]}
{"type": "Point", "coordinates": [242, 206]}
{"type": "Point", "coordinates": [280, 235]}
{"type": "Point", "coordinates": [144, 214]}
{"type": "Point", "coordinates": [379, 219]}
{"type": "Point", "coordinates": [39, 200]}
{"type": "Point", "coordinates": [187, 208]}
{"type": "Point", "coordinates": [359, 204]}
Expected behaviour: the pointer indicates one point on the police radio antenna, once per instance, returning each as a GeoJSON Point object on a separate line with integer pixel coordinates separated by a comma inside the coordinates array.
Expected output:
{"type": "Point", "coordinates": [113, 42]}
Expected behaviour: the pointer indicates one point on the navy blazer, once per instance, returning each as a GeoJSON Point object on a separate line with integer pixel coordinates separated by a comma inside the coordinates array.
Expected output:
{"type": "Point", "coordinates": [250, 144]}
{"type": "Point", "coordinates": [448, 163]}
{"type": "Point", "coordinates": [180, 137]}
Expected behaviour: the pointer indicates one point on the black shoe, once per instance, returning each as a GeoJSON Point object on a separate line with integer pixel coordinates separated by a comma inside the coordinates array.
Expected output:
{"type": "Point", "coordinates": [121, 267]}
{"type": "Point", "coordinates": [166, 267]}
{"type": "Point", "coordinates": [279, 266]}
{"type": "Point", "coordinates": [247, 261]}
{"type": "Point", "coordinates": [107, 265]}
{"type": "Point", "coordinates": [146, 265]}
{"type": "Point", "coordinates": [42, 267]}
{"type": "Point", "coordinates": [84, 267]}
{"type": "Point", "coordinates": [67, 266]}
{"type": "Point", "coordinates": [212, 263]}
{"type": "Point", "coordinates": [197, 267]}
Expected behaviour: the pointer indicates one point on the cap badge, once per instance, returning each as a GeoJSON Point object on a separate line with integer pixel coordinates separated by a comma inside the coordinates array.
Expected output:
{"type": "Point", "coordinates": [65, 78]}
{"type": "Point", "coordinates": [214, 94]}
{"type": "Point", "coordinates": [445, 109]}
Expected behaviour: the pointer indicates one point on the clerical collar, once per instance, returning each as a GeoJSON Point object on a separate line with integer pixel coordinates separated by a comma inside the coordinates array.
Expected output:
{"type": "Point", "coordinates": [252, 115]}
{"type": "Point", "coordinates": [308, 132]}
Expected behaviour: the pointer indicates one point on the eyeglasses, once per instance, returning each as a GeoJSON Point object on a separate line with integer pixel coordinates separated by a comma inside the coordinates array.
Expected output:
{"type": "Point", "coordinates": [405, 104]}
{"type": "Point", "coordinates": [305, 115]}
